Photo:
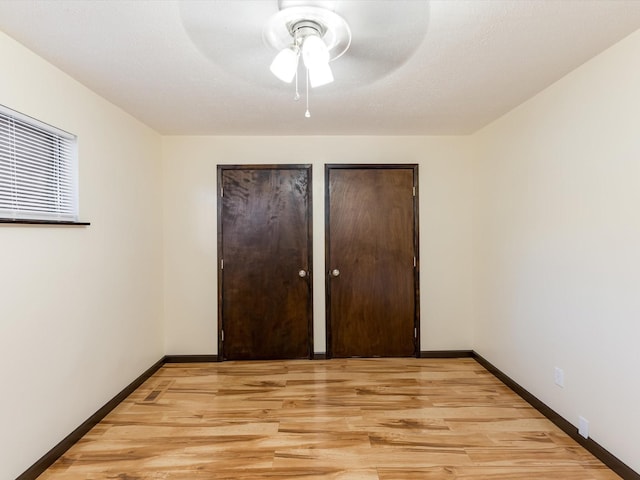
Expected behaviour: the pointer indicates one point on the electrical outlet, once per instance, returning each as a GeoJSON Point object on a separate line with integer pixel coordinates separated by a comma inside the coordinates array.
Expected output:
{"type": "Point", "coordinates": [558, 376]}
{"type": "Point", "coordinates": [583, 427]}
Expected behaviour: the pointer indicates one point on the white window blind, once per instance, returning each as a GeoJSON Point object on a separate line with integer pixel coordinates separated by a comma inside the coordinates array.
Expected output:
{"type": "Point", "coordinates": [38, 170]}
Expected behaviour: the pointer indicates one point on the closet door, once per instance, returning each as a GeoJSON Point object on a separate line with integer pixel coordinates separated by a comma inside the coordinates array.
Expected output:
{"type": "Point", "coordinates": [372, 282]}
{"type": "Point", "coordinates": [264, 245]}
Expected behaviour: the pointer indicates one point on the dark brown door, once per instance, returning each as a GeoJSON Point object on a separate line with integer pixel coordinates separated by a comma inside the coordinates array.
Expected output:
{"type": "Point", "coordinates": [265, 259]}
{"type": "Point", "coordinates": [371, 261]}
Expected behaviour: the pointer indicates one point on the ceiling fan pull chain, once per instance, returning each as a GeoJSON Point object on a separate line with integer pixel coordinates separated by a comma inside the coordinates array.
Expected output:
{"type": "Point", "coordinates": [307, 114]}
{"type": "Point", "coordinates": [296, 97]}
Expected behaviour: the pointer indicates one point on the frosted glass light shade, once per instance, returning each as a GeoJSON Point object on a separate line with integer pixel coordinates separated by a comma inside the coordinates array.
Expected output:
{"type": "Point", "coordinates": [285, 65]}
{"type": "Point", "coordinates": [320, 75]}
{"type": "Point", "coordinates": [314, 52]}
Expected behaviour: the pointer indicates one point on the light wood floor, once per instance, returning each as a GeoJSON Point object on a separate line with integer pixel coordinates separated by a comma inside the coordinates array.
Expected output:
{"type": "Point", "coordinates": [387, 419]}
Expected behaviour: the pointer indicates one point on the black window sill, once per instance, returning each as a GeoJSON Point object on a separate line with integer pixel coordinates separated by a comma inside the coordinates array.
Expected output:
{"type": "Point", "coordinates": [17, 221]}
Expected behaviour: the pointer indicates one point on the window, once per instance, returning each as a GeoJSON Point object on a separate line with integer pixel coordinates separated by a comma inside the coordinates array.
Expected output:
{"type": "Point", "coordinates": [38, 170]}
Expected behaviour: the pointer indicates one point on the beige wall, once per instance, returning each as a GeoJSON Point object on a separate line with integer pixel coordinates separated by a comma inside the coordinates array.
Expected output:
{"type": "Point", "coordinates": [558, 246]}
{"type": "Point", "coordinates": [80, 310]}
{"type": "Point", "coordinates": [189, 166]}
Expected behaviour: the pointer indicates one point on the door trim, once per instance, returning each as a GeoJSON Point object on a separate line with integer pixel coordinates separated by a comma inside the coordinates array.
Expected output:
{"type": "Point", "coordinates": [416, 244]}
{"type": "Point", "coordinates": [219, 172]}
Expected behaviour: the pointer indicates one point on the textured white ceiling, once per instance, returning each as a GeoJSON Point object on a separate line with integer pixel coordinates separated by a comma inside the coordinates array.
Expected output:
{"type": "Point", "coordinates": [416, 67]}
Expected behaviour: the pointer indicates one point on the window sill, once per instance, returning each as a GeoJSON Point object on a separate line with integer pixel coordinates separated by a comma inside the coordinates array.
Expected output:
{"type": "Point", "coordinates": [17, 221]}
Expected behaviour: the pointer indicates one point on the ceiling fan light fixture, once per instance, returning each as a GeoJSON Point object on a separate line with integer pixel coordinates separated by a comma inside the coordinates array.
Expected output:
{"type": "Point", "coordinates": [320, 75]}
{"type": "Point", "coordinates": [281, 27]}
{"type": "Point", "coordinates": [285, 64]}
{"type": "Point", "coordinates": [317, 34]}
{"type": "Point", "coordinates": [314, 52]}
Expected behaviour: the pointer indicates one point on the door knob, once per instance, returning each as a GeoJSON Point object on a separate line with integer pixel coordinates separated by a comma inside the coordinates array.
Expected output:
{"type": "Point", "coordinates": [302, 273]}
{"type": "Point", "coordinates": [335, 272]}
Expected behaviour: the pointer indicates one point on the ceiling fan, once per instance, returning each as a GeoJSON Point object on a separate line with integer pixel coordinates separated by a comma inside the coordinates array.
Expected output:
{"type": "Point", "coordinates": [372, 38]}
